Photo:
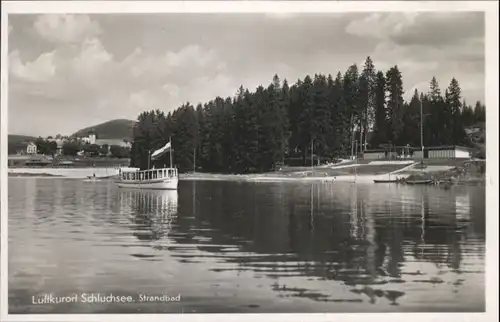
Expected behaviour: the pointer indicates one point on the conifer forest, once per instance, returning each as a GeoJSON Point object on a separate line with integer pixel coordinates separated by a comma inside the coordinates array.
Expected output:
{"type": "Point", "coordinates": [254, 131]}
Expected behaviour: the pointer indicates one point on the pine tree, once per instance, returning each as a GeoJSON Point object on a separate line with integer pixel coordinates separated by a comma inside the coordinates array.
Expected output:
{"type": "Point", "coordinates": [413, 120]}
{"type": "Point", "coordinates": [454, 110]}
{"type": "Point", "coordinates": [369, 98]}
{"type": "Point", "coordinates": [395, 108]}
{"type": "Point", "coordinates": [437, 115]}
{"type": "Point", "coordinates": [351, 99]}
{"type": "Point", "coordinates": [304, 118]}
{"type": "Point", "coordinates": [380, 127]}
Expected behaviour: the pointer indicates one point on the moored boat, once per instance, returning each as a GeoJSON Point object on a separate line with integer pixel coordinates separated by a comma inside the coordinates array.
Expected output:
{"type": "Point", "coordinates": [387, 181]}
{"type": "Point", "coordinates": [418, 181]}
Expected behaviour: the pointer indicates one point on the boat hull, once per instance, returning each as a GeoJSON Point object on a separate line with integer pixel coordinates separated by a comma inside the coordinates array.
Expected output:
{"type": "Point", "coordinates": [164, 184]}
{"type": "Point", "coordinates": [414, 182]}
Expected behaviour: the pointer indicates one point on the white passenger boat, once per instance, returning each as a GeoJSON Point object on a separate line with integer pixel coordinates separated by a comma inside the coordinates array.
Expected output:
{"type": "Point", "coordinates": [161, 178]}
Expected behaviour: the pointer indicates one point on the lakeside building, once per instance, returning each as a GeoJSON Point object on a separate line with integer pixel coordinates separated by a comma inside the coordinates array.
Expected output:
{"type": "Point", "coordinates": [443, 152]}
{"type": "Point", "coordinates": [404, 152]}
{"type": "Point", "coordinates": [388, 152]}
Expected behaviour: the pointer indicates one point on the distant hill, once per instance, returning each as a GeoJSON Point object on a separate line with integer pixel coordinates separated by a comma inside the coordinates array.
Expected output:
{"type": "Point", "coordinates": [115, 129]}
{"type": "Point", "coordinates": [16, 139]}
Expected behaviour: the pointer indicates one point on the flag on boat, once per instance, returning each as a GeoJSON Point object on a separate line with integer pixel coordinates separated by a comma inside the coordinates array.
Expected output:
{"type": "Point", "coordinates": [158, 153]}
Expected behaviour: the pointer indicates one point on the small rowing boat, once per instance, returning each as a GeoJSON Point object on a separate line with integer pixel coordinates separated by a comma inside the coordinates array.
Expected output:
{"type": "Point", "coordinates": [387, 181]}
{"type": "Point", "coordinates": [418, 182]}
{"type": "Point", "coordinates": [91, 179]}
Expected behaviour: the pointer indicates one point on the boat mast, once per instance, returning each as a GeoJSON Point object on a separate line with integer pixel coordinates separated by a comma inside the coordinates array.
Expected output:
{"type": "Point", "coordinates": [171, 148]}
{"type": "Point", "coordinates": [149, 158]}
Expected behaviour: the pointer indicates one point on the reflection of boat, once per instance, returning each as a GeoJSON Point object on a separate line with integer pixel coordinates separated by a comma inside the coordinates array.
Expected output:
{"type": "Point", "coordinates": [152, 212]}
{"type": "Point", "coordinates": [418, 181]}
{"type": "Point", "coordinates": [162, 179]}
{"type": "Point", "coordinates": [150, 201]}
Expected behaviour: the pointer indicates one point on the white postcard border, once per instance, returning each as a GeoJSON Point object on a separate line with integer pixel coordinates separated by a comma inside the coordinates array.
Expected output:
{"type": "Point", "coordinates": [280, 8]}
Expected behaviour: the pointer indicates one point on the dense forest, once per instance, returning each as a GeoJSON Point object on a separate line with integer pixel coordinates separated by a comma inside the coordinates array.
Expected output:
{"type": "Point", "coordinates": [255, 131]}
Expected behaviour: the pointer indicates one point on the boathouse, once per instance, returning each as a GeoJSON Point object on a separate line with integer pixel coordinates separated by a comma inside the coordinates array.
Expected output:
{"type": "Point", "coordinates": [442, 152]}
{"type": "Point", "coordinates": [374, 154]}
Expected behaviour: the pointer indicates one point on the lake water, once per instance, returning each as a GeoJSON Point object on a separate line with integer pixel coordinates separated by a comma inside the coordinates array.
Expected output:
{"type": "Point", "coordinates": [235, 247]}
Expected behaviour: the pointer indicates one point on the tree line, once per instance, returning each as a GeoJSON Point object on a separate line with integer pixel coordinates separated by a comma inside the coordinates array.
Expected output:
{"type": "Point", "coordinates": [324, 116]}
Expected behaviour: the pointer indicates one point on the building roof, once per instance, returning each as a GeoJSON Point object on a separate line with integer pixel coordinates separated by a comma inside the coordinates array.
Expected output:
{"type": "Point", "coordinates": [374, 151]}
{"type": "Point", "coordinates": [442, 147]}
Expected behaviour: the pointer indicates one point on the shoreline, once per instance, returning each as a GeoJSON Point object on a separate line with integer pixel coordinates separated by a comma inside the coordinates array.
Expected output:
{"type": "Point", "coordinates": [361, 179]}
{"type": "Point", "coordinates": [447, 175]}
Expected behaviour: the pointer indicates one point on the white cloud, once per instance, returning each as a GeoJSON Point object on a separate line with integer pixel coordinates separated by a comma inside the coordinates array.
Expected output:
{"type": "Point", "coordinates": [91, 58]}
{"type": "Point", "coordinates": [190, 55]}
{"type": "Point", "coordinates": [39, 70]}
{"type": "Point", "coordinates": [381, 25]}
{"type": "Point", "coordinates": [116, 68]}
{"type": "Point", "coordinates": [59, 28]}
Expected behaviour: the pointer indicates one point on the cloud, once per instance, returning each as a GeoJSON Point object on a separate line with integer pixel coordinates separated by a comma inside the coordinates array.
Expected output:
{"type": "Point", "coordinates": [39, 70]}
{"type": "Point", "coordinates": [66, 28]}
{"type": "Point", "coordinates": [91, 59]}
{"type": "Point", "coordinates": [381, 25]}
{"type": "Point", "coordinates": [116, 66]}
{"type": "Point", "coordinates": [84, 76]}
{"type": "Point", "coordinates": [419, 28]}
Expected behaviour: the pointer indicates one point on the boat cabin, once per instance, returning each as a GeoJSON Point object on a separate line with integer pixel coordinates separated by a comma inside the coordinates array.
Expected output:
{"type": "Point", "coordinates": [152, 174]}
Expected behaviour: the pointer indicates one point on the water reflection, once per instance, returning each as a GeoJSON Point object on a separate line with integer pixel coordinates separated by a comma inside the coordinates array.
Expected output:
{"type": "Point", "coordinates": [385, 249]}
{"type": "Point", "coordinates": [375, 245]}
{"type": "Point", "coordinates": [152, 212]}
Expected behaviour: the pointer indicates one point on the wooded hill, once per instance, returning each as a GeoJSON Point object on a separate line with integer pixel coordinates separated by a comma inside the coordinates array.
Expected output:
{"type": "Point", "coordinates": [114, 129]}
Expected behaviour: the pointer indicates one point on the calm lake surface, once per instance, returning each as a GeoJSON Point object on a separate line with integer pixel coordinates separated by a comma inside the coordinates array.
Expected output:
{"type": "Point", "coordinates": [235, 247]}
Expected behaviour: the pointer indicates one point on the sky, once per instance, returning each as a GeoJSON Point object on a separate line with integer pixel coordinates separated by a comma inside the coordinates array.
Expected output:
{"type": "Point", "coordinates": [67, 72]}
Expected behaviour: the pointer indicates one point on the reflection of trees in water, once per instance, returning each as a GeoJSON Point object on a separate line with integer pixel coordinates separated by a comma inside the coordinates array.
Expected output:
{"type": "Point", "coordinates": [357, 238]}
{"type": "Point", "coordinates": [441, 232]}
{"type": "Point", "coordinates": [152, 212]}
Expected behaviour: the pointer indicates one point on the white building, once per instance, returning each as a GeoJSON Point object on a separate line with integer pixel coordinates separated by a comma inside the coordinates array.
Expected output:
{"type": "Point", "coordinates": [443, 152]}
{"type": "Point", "coordinates": [91, 139]}
{"type": "Point", "coordinates": [31, 148]}
{"type": "Point", "coordinates": [376, 154]}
